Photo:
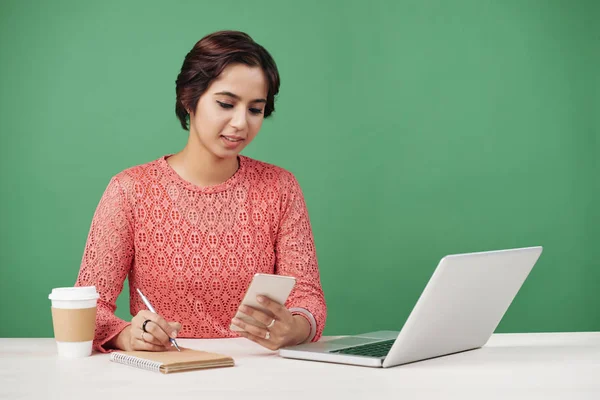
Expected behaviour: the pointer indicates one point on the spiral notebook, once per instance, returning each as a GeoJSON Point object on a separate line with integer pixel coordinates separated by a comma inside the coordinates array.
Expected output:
{"type": "Point", "coordinates": [172, 360]}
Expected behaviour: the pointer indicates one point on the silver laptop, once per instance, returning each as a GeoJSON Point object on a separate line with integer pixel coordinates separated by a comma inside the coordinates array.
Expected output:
{"type": "Point", "coordinates": [459, 309]}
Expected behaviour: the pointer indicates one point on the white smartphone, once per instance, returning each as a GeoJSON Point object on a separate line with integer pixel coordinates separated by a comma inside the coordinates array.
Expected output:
{"type": "Point", "coordinates": [275, 287]}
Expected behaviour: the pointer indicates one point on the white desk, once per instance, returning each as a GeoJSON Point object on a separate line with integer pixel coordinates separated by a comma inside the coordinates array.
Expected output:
{"type": "Point", "coordinates": [524, 366]}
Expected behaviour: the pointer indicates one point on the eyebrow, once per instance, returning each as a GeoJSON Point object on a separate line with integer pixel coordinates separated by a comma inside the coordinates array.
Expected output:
{"type": "Point", "coordinates": [235, 96]}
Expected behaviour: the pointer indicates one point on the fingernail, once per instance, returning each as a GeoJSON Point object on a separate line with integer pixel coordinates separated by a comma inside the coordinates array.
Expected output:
{"type": "Point", "coordinates": [235, 321]}
{"type": "Point", "coordinates": [260, 299]}
{"type": "Point", "coordinates": [243, 309]}
{"type": "Point", "coordinates": [174, 334]}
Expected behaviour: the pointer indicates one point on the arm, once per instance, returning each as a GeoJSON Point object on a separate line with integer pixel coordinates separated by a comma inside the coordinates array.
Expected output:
{"type": "Point", "coordinates": [296, 256]}
{"type": "Point", "coordinates": [107, 260]}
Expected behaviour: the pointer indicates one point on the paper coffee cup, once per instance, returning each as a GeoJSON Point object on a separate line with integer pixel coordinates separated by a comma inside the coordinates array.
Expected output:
{"type": "Point", "coordinates": [74, 320]}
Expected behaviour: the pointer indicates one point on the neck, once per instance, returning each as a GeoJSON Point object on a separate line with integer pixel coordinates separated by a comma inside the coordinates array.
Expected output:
{"type": "Point", "coordinates": [197, 165]}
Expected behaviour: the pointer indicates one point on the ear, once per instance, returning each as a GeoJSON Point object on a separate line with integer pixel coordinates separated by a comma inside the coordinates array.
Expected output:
{"type": "Point", "coordinates": [187, 108]}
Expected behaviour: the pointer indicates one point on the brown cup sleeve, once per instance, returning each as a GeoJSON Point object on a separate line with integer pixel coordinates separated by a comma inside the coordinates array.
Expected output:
{"type": "Point", "coordinates": [74, 325]}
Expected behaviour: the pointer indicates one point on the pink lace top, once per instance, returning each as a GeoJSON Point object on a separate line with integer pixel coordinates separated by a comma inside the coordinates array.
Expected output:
{"type": "Point", "coordinates": [193, 251]}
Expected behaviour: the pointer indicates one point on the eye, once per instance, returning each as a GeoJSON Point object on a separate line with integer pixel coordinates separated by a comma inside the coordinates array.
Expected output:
{"type": "Point", "coordinates": [225, 105]}
{"type": "Point", "coordinates": [256, 111]}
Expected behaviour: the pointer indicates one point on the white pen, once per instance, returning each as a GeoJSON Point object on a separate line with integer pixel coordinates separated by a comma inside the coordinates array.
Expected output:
{"type": "Point", "coordinates": [147, 303]}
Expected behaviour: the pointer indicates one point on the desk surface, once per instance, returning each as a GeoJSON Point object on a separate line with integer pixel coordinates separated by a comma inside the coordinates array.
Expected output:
{"type": "Point", "coordinates": [529, 366]}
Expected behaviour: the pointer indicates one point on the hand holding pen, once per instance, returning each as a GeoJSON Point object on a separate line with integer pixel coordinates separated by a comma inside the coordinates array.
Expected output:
{"type": "Point", "coordinates": [155, 331]}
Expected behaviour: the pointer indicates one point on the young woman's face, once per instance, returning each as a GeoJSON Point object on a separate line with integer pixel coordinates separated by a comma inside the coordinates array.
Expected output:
{"type": "Point", "coordinates": [231, 111]}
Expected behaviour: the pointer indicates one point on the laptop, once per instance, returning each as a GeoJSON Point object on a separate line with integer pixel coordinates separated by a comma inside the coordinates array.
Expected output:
{"type": "Point", "coordinates": [459, 309]}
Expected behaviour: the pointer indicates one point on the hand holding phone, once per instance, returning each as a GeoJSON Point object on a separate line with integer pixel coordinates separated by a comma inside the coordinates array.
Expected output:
{"type": "Point", "coordinates": [275, 287]}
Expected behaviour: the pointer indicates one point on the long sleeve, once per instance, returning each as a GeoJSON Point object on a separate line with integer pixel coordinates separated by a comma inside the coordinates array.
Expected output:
{"type": "Point", "coordinates": [296, 256]}
{"type": "Point", "coordinates": [107, 259]}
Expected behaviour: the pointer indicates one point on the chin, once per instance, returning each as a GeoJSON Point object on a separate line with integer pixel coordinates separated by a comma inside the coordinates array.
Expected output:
{"type": "Point", "coordinates": [224, 155]}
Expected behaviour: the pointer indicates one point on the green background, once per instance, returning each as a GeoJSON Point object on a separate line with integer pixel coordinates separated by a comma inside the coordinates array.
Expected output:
{"type": "Point", "coordinates": [416, 129]}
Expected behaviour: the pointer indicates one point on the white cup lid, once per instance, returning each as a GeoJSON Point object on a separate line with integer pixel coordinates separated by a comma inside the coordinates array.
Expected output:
{"type": "Point", "coordinates": [74, 293]}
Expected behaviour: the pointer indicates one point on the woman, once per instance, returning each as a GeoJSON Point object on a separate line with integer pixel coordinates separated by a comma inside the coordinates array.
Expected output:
{"type": "Point", "coordinates": [191, 229]}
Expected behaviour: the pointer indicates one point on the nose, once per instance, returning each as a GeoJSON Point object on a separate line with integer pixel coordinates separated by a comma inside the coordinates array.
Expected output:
{"type": "Point", "coordinates": [238, 120]}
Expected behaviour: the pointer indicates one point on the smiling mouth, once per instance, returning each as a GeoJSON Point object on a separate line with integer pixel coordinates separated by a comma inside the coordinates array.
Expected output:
{"type": "Point", "coordinates": [233, 140]}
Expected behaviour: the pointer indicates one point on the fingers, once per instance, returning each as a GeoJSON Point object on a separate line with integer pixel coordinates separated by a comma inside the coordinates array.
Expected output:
{"type": "Point", "coordinates": [261, 341]}
{"type": "Point", "coordinates": [157, 329]}
{"type": "Point", "coordinates": [148, 347]}
{"type": "Point", "coordinates": [258, 315]}
{"type": "Point", "coordinates": [176, 326]}
{"type": "Point", "coordinates": [160, 321]}
{"type": "Point", "coordinates": [270, 329]}
{"type": "Point", "coordinates": [146, 342]}
{"type": "Point", "coordinates": [253, 329]}
{"type": "Point", "coordinates": [157, 335]}
{"type": "Point", "coordinates": [277, 309]}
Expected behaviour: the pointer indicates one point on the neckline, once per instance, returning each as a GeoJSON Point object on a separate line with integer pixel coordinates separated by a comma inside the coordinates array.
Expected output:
{"type": "Point", "coordinates": [229, 183]}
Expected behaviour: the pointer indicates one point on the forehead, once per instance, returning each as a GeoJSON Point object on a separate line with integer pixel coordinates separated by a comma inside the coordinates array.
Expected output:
{"type": "Point", "coordinates": [247, 82]}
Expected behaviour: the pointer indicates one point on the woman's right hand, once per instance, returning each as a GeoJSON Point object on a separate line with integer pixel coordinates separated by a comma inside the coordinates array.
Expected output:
{"type": "Point", "coordinates": [154, 338]}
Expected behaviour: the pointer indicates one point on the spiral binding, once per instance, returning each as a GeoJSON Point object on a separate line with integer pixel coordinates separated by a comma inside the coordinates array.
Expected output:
{"type": "Point", "coordinates": [136, 362]}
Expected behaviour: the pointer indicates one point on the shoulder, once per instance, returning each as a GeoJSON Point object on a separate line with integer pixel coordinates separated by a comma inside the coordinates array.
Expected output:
{"type": "Point", "coordinates": [140, 173]}
{"type": "Point", "coordinates": [269, 173]}
{"type": "Point", "coordinates": [138, 177]}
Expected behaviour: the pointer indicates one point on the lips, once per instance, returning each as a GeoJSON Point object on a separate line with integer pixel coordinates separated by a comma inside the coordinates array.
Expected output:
{"type": "Point", "coordinates": [232, 139]}
{"type": "Point", "coordinates": [232, 142]}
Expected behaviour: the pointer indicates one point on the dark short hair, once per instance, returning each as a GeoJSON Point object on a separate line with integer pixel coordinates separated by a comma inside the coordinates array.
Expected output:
{"type": "Point", "coordinates": [209, 57]}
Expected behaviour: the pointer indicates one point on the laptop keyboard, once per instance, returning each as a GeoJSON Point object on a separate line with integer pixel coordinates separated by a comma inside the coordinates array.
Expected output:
{"type": "Point", "coordinates": [377, 349]}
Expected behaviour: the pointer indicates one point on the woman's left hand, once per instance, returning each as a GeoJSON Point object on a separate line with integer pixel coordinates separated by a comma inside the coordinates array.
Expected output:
{"type": "Point", "coordinates": [281, 327]}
